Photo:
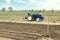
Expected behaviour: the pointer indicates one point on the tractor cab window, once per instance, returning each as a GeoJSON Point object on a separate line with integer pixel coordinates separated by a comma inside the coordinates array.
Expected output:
{"type": "Point", "coordinates": [29, 14]}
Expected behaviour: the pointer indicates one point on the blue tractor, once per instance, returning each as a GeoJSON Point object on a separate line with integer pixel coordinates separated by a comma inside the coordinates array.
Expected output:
{"type": "Point", "coordinates": [34, 16]}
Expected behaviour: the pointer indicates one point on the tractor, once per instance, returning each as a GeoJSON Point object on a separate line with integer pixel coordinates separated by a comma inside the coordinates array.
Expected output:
{"type": "Point", "coordinates": [34, 16]}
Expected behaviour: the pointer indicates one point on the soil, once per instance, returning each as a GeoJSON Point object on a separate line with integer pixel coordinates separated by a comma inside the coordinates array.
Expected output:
{"type": "Point", "coordinates": [27, 31]}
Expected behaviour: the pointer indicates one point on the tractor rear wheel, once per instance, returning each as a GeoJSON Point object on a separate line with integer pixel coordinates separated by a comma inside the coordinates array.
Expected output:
{"type": "Point", "coordinates": [29, 18]}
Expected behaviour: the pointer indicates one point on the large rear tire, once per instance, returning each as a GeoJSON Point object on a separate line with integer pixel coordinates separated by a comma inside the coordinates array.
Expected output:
{"type": "Point", "coordinates": [29, 18]}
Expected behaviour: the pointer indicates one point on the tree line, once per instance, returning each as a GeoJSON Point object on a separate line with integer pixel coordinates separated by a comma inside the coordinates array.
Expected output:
{"type": "Point", "coordinates": [9, 9]}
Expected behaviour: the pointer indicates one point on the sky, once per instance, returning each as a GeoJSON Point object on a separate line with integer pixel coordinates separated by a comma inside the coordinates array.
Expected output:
{"type": "Point", "coordinates": [30, 4]}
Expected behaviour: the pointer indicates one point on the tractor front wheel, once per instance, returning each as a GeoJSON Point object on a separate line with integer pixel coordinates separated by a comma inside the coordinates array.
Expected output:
{"type": "Point", "coordinates": [37, 19]}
